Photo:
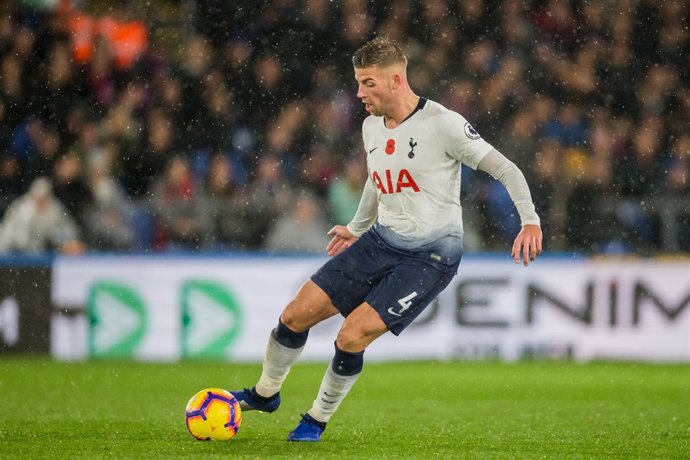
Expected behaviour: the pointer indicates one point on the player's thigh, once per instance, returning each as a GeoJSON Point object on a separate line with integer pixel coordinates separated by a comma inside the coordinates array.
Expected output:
{"type": "Point", "coordinates": [360, 328]}
{"type": "Point", "coordinates": [406, 291]}
{"type": "Point", "coordinates": [310, 306]}
{"type": "Point", "coordinates": [348, 277]}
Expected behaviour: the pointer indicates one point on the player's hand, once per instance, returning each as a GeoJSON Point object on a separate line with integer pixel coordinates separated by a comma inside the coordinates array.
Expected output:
{"type": "Point", "coordinates": [342, 239]}
{"type": "Point", "coordinates": [527, 244]}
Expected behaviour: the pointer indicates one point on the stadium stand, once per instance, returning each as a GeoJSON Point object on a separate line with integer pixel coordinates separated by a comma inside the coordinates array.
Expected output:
{"type": "Point", "coordinates": [197, 126]}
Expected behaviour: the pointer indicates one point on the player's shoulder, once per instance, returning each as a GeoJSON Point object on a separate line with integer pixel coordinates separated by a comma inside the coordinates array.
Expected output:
{"type": "Point", "coordinates": [433, 108]}
{"type": "Point", "coordinates": [370, 121]}
{"type": "Point", "coordinates": [445, 122]}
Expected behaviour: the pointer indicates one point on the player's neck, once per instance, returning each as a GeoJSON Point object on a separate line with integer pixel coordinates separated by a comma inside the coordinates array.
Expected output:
{"type": "Point", "coordinates": [401, 111]}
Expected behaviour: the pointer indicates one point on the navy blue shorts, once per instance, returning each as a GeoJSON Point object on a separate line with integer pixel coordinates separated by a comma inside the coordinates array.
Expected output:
{"type": "Point", "coordinates": [396, 284]}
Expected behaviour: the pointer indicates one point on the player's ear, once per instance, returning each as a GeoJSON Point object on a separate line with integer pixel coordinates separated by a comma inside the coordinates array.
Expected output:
{"type": "Point", "coordinates": [396, 81]}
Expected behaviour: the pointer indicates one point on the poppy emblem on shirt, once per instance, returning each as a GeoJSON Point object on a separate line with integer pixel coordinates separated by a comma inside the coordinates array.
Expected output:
{"type": "Point", "coordinates": [390, 146]}
{"type": "Point", "coordinates": [471, 132]}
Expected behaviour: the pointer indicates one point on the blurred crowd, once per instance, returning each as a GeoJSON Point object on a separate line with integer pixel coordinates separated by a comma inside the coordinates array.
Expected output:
{"type": "Point", "coordinates": [248, 136]}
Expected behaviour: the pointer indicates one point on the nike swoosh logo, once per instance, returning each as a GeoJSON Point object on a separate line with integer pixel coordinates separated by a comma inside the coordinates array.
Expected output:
{"type": "Point", "coordinates": [327, 401]}
{"type": "Point", "coordinates": [371, 150]}
{"type": "Point", "coordinates": [390, 310]}
{"type": "Point", "coordinates": [330, 396]}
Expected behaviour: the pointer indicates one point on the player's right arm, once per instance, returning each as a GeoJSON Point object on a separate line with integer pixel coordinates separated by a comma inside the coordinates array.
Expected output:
{"type": "Point", "coordinates": [367, 211]}
{"type": "Point", "coordinates": [344, 236]}
{"type": "Point", "coordinates": [342, 239]}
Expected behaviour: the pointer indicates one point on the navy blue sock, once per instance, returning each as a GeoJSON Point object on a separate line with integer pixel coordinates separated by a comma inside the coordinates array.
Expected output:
{"type": "Point", "coordinates": [288, 338]}
{"type": "Point", "coordinates": [346, 363]}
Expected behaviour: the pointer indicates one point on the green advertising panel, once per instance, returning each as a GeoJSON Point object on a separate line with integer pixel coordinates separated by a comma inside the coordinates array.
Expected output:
{"type": "Point", "coordinates": [117, 320]}
{"type": "Point", "coordinates": [211, 319]}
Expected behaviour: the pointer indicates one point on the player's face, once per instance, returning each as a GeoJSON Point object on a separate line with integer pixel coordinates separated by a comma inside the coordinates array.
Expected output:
{"type": "Point", "coordinates": [374, 89]}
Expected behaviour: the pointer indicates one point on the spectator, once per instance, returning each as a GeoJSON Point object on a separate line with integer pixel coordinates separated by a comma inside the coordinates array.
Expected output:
{"type": "Point", "coordinates": [181, 217]}
{"type": "Point", "coordinates": [345, 191]}
{"type": "Point", "coordinates": [110, 219]}
{"type": "Point", "coordinates": [218, 116]}
{"type": "Point", "coordinates": [638, 176]}
{"type": "Point", "coordinates": [545, 179]}
{"type": "Point", "coordinates": [678, 185]}
{"type": "Point", "coordinates": [37, 221]}
{"type": "Point", "coordinates": [678, 166]}
{"type": "Point", "coordinates": [143, 163]}
{"type": "Point", "coordinates": [227, 201]}
{"type": "Point", "coordinates": [268, 195]}
{"type": "Point", "coordinates": [10, 181]}
{"type": "Point", "coordinates": [126, 36]}
{"type": "Point", "coordinates": [12, 90]}
{"type": "Point", "coordinates": [569, 127]}
{"type": "Point", "coordinates": [70, 187]}
{"type": "Point", "coordinates": [590, 225]}
{"type": "Point", "coordinates": [100, 78]}
{"type": "Point", "coordinates": [46, 146]}
{"type": "Point", "coordinates": [317, 170]}
{"type": "Point", "coordinates": [58, 89]}
{"type": "Point", "coordinates": [303, 228]}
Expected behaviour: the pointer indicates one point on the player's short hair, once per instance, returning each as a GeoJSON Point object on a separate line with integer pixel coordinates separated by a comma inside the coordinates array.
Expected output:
{"type": "Point", "coordinates": [381, 52]}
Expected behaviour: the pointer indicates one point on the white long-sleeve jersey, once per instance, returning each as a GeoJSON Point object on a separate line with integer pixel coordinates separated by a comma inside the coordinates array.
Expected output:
{"type": "Point", "coordinates": [413, 185]}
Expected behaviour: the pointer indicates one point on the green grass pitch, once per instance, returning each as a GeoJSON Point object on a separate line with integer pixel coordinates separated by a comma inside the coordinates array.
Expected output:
{"type": "Point", "coordinates": [397, 410]}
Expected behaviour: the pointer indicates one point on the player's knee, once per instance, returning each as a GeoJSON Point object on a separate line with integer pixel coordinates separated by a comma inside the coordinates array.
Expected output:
{"type": "Point", "coordinates": [351, 340]}
{"type": "Point", "coordinates": [292, 321]}
{"type": "Point", "coordinates": [288, 337]}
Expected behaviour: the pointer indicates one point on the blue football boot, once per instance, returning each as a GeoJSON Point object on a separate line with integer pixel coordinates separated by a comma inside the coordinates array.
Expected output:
{"type": "Point", "coordinates": [308, 429]}
{"type": "Point", "coordinates": [249, 399]}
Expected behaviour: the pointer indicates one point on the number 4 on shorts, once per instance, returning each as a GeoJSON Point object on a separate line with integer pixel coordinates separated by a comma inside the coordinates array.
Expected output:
{"type": "Point", "coordinates": [405, 303]}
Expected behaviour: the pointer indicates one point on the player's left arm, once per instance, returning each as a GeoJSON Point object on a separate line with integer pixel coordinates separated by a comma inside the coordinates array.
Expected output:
{"type": "Point", "coordinates": [528, 243]}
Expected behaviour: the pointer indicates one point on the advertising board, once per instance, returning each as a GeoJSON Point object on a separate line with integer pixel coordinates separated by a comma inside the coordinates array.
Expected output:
{"type": "Point", "coordinates": [24, 309]}
{"type": "Point", "coordinates": [173, 308]}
